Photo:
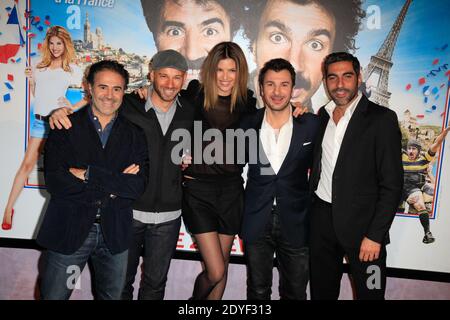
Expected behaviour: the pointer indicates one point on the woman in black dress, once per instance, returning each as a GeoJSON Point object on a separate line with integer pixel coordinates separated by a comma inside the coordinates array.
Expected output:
{"type": "Point", "coordinates": [213, 186]}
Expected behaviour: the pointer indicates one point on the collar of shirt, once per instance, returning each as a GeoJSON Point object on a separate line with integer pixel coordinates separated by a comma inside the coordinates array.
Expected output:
{"type": "Point", "coordinates": [330, 106]}
{"type": "Point", "coordinates": [266, 125]}
{"type": "Point", "coordinates": [149, 103]}
{"type": "Point", "coordinates": [275, 142]}
{"type": "Point", "coordinates": [103, 134]}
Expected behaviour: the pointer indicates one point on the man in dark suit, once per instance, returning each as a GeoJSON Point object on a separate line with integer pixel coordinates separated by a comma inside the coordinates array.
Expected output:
{"type": "Point", "coordinates": [357, 181]}
{"type": "Point", "coordinates": [93, 172]}
{"type": "Point", "coordinates": [276, 214]}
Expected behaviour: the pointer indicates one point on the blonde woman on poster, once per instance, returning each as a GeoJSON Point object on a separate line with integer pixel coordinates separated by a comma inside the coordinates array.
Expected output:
{"type": "Point", "coordinates": [49, 81]}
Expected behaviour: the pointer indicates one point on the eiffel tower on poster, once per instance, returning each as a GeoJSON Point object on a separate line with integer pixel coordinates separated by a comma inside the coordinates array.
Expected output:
{"type": "Point", "coordinates": [376, 74]}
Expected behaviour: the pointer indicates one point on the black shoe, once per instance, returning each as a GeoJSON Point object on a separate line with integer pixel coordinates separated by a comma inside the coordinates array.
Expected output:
{"type": "Point", "coordinates": [428, 238]}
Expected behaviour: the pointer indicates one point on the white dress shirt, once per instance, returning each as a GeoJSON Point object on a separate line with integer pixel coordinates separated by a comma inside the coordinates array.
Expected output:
{"type": "Point", "coordinates": [331, 144]}
{"type": "Point", "coordinates": [276, 143]}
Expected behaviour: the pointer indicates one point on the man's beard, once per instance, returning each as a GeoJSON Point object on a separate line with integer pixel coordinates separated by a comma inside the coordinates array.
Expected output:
{"type": "Point", "coordinates": [163, 96]}
{"type": "Point", "coordinates": [344, 101]}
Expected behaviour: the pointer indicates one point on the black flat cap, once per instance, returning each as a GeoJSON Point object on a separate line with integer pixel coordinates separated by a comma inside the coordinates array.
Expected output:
{"type": "Point", "coordinates": [169, 59]}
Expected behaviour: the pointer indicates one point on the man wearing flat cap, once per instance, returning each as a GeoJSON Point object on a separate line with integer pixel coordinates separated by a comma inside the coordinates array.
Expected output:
{"type": "Point", "coordinates": [157, 213]}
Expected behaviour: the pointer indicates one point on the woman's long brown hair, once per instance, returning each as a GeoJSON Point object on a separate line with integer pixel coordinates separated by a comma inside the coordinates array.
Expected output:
{"type": "Point", "coordinates": [208, 74]}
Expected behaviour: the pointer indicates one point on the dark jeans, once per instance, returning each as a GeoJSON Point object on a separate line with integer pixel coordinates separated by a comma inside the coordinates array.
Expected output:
{"type": "Point", "coordinates": [327, 256]}
{"type": "Point", "coordinates": [293, 265]}
{"type": "Point", "coordinates": [58, 279]}
{"type": "Point", "coordinates": [157, 244]}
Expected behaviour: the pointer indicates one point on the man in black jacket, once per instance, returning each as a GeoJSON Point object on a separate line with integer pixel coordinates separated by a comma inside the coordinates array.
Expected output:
{"type": "Point", "coordinates": [276, 211]}
{"type": "Point", "coordinates": [94, 171]}
{"type": "Point", "coordinates": [357, 180]}
{"type": "Point", "coordinates": [157, 213]}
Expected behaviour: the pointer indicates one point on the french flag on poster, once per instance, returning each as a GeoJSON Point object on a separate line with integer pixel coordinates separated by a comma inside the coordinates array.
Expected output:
{"type": "Point", "coordinates": [11, 38]}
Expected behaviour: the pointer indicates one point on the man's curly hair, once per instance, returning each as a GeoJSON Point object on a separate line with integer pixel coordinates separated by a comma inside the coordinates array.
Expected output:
{"type": "Point", "coordinates": [348, 15]}
{"type": "Point", "coordinates": [152, 12]}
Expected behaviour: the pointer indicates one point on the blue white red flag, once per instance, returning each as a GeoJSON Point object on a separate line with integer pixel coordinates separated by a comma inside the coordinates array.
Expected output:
{"type": "Point", "coordinates": [11, 38]}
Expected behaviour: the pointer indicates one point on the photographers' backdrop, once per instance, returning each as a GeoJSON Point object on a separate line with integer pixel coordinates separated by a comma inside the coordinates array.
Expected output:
{"type": "Point", "coordinates": [403, 46]}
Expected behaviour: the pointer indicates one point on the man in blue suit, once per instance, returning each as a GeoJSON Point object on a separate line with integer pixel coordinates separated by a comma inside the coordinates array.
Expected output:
{"type": "Point", "coordinates": [93, 171]}
{"type": "Point", "coordinates": [276, 215]}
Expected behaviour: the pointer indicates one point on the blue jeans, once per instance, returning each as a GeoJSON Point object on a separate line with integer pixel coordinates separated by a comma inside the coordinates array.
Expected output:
{"type": "Point", "coordinates": [40, 129]}
{"type": "Point", "coordinates": [293, 265]}
{"type": "Point", "coordinates": [60, 271]}
{"type": "Point", "coordinates": [157, 244]}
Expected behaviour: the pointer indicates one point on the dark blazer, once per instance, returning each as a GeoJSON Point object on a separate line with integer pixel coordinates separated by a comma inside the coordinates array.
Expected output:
{"type": "Point", "coordinates": [368, 176]}
{"type": "Point", "coordinates": [290, 186]}
{"type": "Point", "coordinates": [74, 203]}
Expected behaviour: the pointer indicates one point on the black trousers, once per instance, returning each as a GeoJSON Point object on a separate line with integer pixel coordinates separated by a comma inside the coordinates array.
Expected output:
{"type": "Point", "coordinates": [293, 265]}
{"type": "Point", "coordinates": [326, 256]}
{"type": "Point", "coordinates": [156, 243]}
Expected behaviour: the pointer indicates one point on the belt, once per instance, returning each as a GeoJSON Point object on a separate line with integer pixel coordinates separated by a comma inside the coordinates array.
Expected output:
{"type": "Point", "coordinates": [42, 118]}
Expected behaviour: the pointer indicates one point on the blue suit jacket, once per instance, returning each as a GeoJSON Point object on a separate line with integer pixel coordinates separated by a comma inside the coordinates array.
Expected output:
{"type": "Point", "coordinates": [74, 203]}
{"type": "Point", "coordinates": [290, 186]}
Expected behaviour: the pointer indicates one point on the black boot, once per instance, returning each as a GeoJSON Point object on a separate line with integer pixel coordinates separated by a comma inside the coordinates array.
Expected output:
{"type": "Point", "coordinates": [425, 221]}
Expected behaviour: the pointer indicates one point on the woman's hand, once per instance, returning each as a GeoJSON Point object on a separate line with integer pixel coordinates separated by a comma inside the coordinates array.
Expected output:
{"type": "Point", "coordinates": [29, 74]}
{"type": "Point", "coordinates": [299, 110]}
{"type": "Point", "coordinates": [142, 92]}
{"type": "Point", "coordinates": [59, 118]}
{"type": "Point", "coordinates": [186, 160]}
{"type": "Point", "coordinates": [30, 77]}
